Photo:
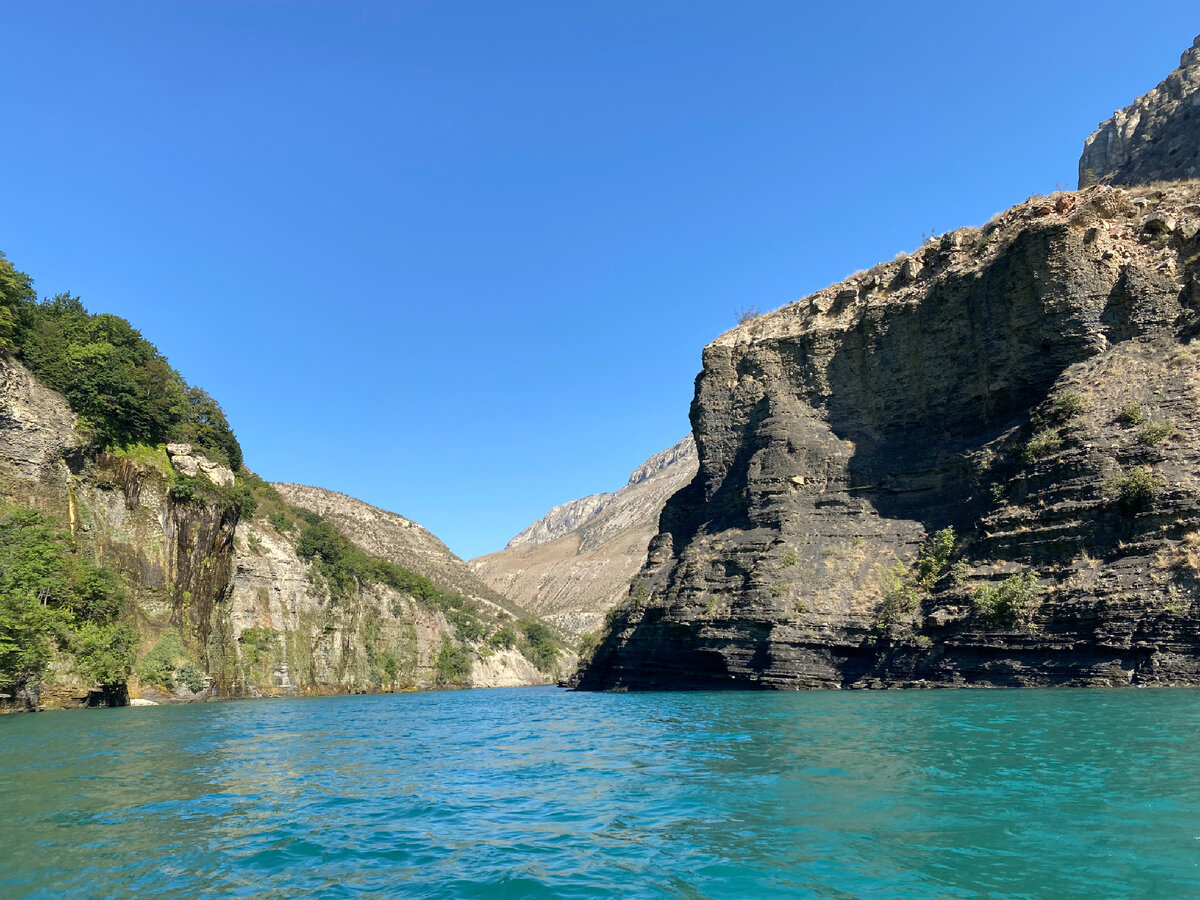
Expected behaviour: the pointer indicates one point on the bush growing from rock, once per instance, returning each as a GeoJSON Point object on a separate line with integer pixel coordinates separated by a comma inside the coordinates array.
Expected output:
{"type": "Point", "coordinates": [1012, 601]}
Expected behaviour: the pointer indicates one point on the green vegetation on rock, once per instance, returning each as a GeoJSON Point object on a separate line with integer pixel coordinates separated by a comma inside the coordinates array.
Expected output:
{"type": "Point", "coordinates": [1067, 404]}
{"type": "Point", "coordinates": [345, 568]}
{"type": "Point", "coordinates": [1012, 601]}
{"type": "Point", "coordinates": [1131, 414]}
{"type": "Point", "coordinates": [52, 598]}
{"type": "Point", "coordinates": [539, 648]}
{"type": "Point", "coordinates": [903, 589]}
{"type": "Point", "coordinates": [122, 388]}
{"type": "Point", "coordinates": [163, 663]}
{"type": "Point", "coordinates": [1133, 489]}
{"type": "Point", "coordinates": [453, 664]}
{"type": "Point", "coordinates": [1157, 433]}
{"type": "Point", "coordinates": [1042, 444]}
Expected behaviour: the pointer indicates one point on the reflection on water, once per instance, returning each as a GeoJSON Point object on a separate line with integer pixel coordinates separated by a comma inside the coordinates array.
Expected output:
{"type": "Point", "coordinates": [538, 792]}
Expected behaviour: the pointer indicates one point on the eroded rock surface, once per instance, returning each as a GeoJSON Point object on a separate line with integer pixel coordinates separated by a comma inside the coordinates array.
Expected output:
{"type": "Point", "coordinates": [1155, 138]}
{"type": "Point", "coordinates": [37, 432]}
{"type": "Point", "coordinates": [1033, 384]}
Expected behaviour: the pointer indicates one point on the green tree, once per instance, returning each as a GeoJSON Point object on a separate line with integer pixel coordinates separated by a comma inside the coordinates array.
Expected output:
{"type": "Point", "coordinates": [453, 664]}
{"type": "Point", "coordinates": [50, 597]}
{"type": "Point", "coordinates": [104, 654]}
{"type": "Point", "coordinates": [122, 388]}
{"type": "Point", "coordinates": [541, 649]}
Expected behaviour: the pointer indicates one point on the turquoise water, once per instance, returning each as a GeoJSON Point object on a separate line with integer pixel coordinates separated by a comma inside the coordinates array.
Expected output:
{"type": "Point", "coordinates": [544, 793]}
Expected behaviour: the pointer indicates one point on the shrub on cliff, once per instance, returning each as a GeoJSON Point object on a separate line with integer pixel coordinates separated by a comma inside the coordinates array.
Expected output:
{"type": "Point", "coordinates": [503, 639]}
{"type": "Point", "coordinates": [50, 597]}
{"type": "Point", "coordinates": [453, 664]}
{"type": "Point", "coordinates": [1067, 404]}
{"type": "Point", "coordinates": [901, 598]}
{"type": "Point", "coordinates": [159, 664]}
{"type": "Point", "coordinates": [1012, 601]}
{"type": "Point", "coordinates": [1157, 433]}
{"type": "Point", "coordinates": [1132, 413]}
{"type": "Point", "coordinates": [539, 648]}
{"type": "Point", "coordinates": [1042, 444]}
{"type": "Point", "coordinates": [935, 556]}
{"type": "Point", "coordinates": [1133, 489]}
{"type": "Point", "coordinates": [902, 589]}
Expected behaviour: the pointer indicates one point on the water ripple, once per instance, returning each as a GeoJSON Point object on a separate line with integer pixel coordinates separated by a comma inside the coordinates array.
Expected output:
{"type": "Point", "coordinates": [542, 793]}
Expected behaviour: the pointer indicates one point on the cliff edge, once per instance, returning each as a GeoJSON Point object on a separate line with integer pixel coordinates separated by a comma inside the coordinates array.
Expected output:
{"type": "Point", "coordinates": [975, 465]}
{"type": "Point", "coordinates": [1155, 138]}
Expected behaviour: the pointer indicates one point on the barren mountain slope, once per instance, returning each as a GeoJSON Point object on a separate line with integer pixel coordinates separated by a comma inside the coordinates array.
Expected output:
{"type": "Point", "coordinates": [575, 564]}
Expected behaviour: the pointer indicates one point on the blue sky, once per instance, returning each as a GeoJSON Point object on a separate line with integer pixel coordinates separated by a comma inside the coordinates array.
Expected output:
{"type": "Point", "coordinates": [459, 259]}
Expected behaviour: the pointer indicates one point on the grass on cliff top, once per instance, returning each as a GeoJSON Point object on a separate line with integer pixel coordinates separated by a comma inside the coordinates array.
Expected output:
{"type": "Point", "coordinates": [150, 456]}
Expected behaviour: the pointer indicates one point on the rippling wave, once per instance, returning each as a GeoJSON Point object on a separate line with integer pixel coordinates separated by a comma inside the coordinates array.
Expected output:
{"type": "Point", "coordinates": [539, 792]}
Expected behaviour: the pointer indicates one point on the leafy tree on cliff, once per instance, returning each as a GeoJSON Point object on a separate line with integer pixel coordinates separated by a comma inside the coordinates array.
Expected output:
{"type": "Point", "coordinates": [50, 597]}
{"type": "Point", "coordinates": [123, 389]}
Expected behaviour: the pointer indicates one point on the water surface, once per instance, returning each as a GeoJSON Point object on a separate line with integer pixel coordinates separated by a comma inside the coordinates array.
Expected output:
{"type": "Point", "coordinates": [542, 793]}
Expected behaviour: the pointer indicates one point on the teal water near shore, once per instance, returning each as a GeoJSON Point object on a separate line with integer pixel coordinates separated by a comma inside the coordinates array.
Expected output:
{"type": "Point", "coordinates": [544, 793]}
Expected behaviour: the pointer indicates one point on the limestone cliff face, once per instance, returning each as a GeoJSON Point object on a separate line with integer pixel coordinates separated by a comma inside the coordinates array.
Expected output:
{"type": "Point", "coordinates": [37, 435]}
{"type": "Point", "coordinates": [252, 616]}
{"type": "Point", "coordinates": [322, 644]}
{"type": "Point", "coordinates": [1155, 138]}
{"type": "Point", "coordinates": [575, 563]}
{"type": "Point", "coordinates": [1034, 385]}
{"type": "Point", "coordinates": [301, 640]}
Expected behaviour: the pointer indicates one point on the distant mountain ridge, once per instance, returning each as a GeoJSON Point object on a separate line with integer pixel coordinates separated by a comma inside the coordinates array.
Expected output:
{"type": "Point", "coordinates": [575, 563]}
{"type": "Point", "coordinates": [642, 492]}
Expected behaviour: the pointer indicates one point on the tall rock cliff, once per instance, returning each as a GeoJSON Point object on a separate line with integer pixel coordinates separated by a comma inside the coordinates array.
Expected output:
{"type": "Point", "coordinates": [1155, 138]}
{"type": "Point", "coordinates": [575, 563]}
{"type": "Point", "coordinates": [225, 603]}
{"type": "Point", "coordinates": [974, 465]}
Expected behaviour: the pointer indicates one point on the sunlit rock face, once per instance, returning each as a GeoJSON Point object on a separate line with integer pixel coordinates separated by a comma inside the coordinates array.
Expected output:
{"type": "Point", "coordinates": [1033, 385]}
{"type": "Point", "coordinates": [575, 563]}
{"type": "Point", "coordinates": [1155, 138]}
{"type": "Point", "coordinates": [253, 618]}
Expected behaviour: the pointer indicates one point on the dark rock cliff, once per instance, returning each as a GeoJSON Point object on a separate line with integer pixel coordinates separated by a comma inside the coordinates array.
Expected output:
{"type": "Point", "coordinates": [1032, 385]}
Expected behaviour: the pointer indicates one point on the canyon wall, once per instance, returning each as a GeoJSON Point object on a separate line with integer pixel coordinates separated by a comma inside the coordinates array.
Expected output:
{"type": "Point", "coordinates": [976, 464]}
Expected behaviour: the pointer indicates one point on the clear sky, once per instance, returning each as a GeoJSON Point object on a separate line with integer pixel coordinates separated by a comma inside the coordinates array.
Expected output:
{"type": "Point", "coordinates": [459, 259]}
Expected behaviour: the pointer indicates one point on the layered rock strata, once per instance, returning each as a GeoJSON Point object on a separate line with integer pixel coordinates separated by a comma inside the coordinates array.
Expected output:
{"type": "Point", "coordinates": [1155, 138]}
{"type": "Point", "coordinates": [1033, 385]}
{"type": "Point", "coordinates": [575, 564]}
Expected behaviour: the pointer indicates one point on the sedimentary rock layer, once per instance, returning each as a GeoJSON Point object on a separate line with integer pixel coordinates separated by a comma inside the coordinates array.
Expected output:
{"type": "Point", "coordinates": [1033, 385]}
{"type": "Point", "coordinates": [1155, 138]}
